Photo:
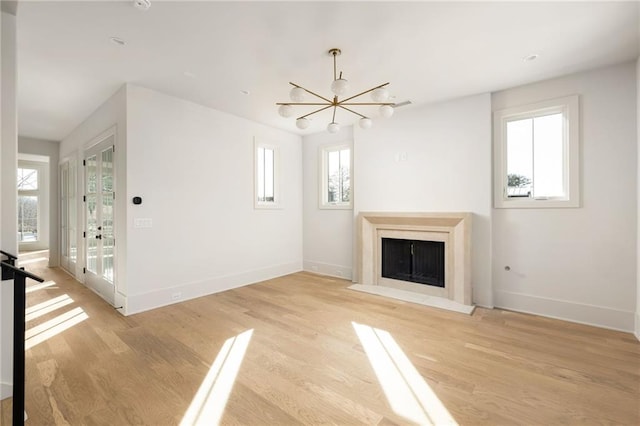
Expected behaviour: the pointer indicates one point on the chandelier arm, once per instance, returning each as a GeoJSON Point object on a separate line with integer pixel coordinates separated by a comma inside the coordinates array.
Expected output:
{"type": "Point", "coordinates": [309, 91]}
{"type": "Point", "coordinates": [311, 113]}
{"type": "Point", "coordinates": [302, 103]}
{"type": "Point", "coordinates": [365, 92]}
{"type": "Point", "coordinates": [350, 110]}
{"type": "Point", "coordinates": [365, 103]}
{"type": "Point", "coordinates": [333, 119]}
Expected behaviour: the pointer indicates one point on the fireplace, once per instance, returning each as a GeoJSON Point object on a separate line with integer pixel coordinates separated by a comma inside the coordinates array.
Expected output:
{"type": "Point", "coordinates": [430, 256]}
{"type": "Point", "coordinates": [416, 261]}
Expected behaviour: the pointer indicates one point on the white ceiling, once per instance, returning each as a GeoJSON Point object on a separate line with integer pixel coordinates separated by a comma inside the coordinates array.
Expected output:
{"type": "Point", "coordinates": [208, 52]}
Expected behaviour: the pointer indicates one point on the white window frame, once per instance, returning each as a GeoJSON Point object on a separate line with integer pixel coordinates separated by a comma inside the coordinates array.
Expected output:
{"type": "Point", "coordinates": [323, 177]}
{"type": "Point", "coordinates": [277, 195]}
{"type": "Point", "coordinates": [40, 193]}
{"type": "Point", "coordinates": [569, 107]}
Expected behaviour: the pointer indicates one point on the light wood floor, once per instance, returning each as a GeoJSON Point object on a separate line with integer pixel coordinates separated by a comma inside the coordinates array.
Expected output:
{"type": "Point", "coordinates": [305, 363]}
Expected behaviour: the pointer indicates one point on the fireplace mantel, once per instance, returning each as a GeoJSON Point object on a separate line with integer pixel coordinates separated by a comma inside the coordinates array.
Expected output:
{"type": "Point", "coordinates": [455, 227]}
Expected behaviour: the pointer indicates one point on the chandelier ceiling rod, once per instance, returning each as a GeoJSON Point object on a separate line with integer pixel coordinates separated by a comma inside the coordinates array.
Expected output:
{"type": "Point", "coordinates": [339, 86]}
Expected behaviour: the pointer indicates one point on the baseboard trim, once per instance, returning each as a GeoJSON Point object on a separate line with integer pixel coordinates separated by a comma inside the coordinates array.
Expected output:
{"type": "Point", "coordinates": [6, 390]}
{"type": "Point", "coordinates": [329, 269]}
{"type": "Point", "coordinates": [163, 297]}
{"type": "Point", "coordinates": [637, 329]}
{"type": "Point", "coordinates": [599, 316]}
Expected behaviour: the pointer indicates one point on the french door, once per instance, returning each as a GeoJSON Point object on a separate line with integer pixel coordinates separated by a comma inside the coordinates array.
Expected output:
{"type": "Point", "coordinates": [99, 205]}
{"type": "Point", "coordinates": [68, 215]}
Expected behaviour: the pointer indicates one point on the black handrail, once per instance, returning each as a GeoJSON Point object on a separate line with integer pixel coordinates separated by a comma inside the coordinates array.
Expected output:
{"type": "Point", "coordinates": [7, 274]}
{"type": "Point", "coordinates": [9, 255]}
{"type": "Point", "coordinates": [19, 307]}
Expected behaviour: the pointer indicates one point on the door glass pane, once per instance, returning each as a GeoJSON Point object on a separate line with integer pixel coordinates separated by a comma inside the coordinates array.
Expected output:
{"type": "Point", "coordinates": [91, 174]}
{"type": "Point", "coordinates": [27, 179]}
{"type": "Point", "coordinates": [107, 170]}
{"type": "Point", "coordinates": [73, 246]}
{"type": "Point", "coordinates": [107, 236]}
{"type": "Point", "coordinates": [72, 224]}
{"type": "Point", "coordinates": [107, 214]}
{"type": "Point", "coordinates": [27, 218]}
{"type": "Point", "coordinates": [64, 216]}
{"type": "Point", "coordinates": [92, 227]}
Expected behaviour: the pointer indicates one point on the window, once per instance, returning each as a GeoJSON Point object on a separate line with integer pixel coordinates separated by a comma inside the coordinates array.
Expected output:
{"type": "Point", "coordinates": [536, 155]}
{"type": "Point", "coordinates": [266, 171]}
{"type": "Point", "coordinates": [28, 207]}
{"type": "Point", "coordinates": [335, 177]}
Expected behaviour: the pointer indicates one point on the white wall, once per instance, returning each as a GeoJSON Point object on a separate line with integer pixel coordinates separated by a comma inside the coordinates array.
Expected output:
{"type": "Point", "coordinates": [51, 150]}
{"type": "Point", "coordinates": [112, 112]}
{"type": "Point", "coordinates": [637, 327]}
{"type": "Point", "coordinates": [193, 167]}
{"type": "Point", "coordinates": [8, 165]}
{"type": "Point", "coordinates": [578, 264]}
{"type": "Point", "coordinates": [328, 233]}
{"type": "Point", "coordinates": [435, 158]}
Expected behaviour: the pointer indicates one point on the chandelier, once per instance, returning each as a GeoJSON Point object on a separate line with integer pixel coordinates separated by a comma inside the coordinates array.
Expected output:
{"type": "Point", "coordinates": [339, 87]}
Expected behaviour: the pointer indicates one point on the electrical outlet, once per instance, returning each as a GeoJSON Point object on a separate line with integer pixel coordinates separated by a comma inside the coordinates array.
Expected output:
{"type": "Point", "coordinates": [176, 296]}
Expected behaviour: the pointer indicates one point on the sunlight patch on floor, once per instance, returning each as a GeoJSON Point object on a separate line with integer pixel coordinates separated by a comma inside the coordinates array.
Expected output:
{"type": "Point", "coordinates": [210, 401]}
{"type": "Point", "coordinates": [36, 287]}
{"type": "Point", "coordinates": [408, 394]}
{"type": "Point", "coordinates": [44, 308]}
{"type": "Point", "coordinates": [53, 327]}
{"type": "Point", "coordinates": [29, 261]}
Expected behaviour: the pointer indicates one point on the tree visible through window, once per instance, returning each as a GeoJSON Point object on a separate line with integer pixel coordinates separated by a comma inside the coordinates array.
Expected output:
{"type": "Point", "coordinates": [336, 177]}
{"type": "Point", "coordinates": [339, 179]}
{"type": "Point", "coordinates": [27, 205]}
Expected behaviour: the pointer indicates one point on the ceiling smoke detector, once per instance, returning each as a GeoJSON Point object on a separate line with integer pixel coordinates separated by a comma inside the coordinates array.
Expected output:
{"type": "Point", "coordinates": [142, 4]}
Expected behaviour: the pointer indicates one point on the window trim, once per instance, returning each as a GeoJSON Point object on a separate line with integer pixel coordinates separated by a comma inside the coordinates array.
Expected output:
{"type": "Point", "coordinates": [277, 194]}
{"type": "Point", "coordinates": [323, 176]}
{"type": "Point", "coordinates": [569, 107]}
{"type": "Point", "coordinates": [38, 193]}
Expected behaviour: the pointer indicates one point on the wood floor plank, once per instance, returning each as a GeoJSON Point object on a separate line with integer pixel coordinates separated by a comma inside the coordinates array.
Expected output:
{"type": "Point", "coordinates": [305, 364]}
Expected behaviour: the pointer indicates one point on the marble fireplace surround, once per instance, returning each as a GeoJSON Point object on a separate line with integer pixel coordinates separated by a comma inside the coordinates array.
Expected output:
{"type": "Point", "coordinates": [455, 228]}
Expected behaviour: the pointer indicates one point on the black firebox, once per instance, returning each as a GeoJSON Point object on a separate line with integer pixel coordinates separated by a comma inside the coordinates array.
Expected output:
{"type": "Point", "coordinates": [415, 261]}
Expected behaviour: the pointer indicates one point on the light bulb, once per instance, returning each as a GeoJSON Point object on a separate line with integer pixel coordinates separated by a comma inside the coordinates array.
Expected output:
{"type": "Point", "coordinates": [340, 86]}
{"type": "Point", "coordinates": [297, 94]}
{"type": "Point", "coordinates": [333, 127]}
{"type": "Point", "coordinates": [302, 123]}
{"type": "Point", "coordinates": [285, 110]}
{"type": "Point", "coordinates": [366, 123]}
{"type": "Point", "coordinates": [386, 111]}
{"type": "Point", "coordinates": [381, 94]}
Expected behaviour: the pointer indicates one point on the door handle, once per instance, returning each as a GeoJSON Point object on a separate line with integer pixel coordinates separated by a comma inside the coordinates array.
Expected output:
{"type": "Point", "coordinates": [99, 236]}
{"type": "Point", "coordinates": [99, 228]}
